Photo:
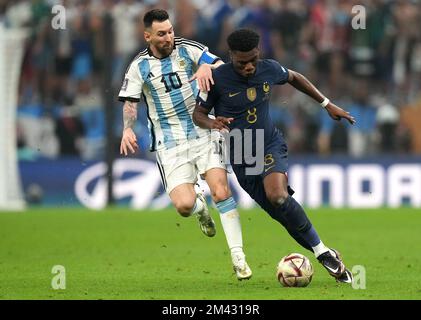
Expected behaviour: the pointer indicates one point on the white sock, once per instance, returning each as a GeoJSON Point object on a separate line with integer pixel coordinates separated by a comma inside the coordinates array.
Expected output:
{"type": "Point", "coordinates": [198, 207]}
{"type": "Point", "coordinates": [232, 228]}
{"type": "Point", "coordinates": [319, 249]}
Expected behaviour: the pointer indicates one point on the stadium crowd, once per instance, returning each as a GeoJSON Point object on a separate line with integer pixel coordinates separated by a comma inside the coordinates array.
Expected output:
{"type": "Point", "coordinates": [375, 73]}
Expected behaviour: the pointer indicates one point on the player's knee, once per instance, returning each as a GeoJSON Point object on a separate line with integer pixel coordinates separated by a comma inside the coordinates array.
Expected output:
{"type": "Point", "coordinates": [184, 206]}
{"type": "Point", "coordinates": [220, 193]}
{"type": "Point", "coordinates": [277, 197]}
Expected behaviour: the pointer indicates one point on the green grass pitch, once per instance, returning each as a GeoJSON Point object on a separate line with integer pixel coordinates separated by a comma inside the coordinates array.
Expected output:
{"type": "Point", "coordinates": [125, 254]}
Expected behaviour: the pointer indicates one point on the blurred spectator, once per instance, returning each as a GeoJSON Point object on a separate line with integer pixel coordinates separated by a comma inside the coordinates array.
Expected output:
{"type": "Point", "coordinates": [409, 128]}
{"type": "Point", "coordinates": [388, 122]}
{"type": "Point", "coordinates": [70, 132]}
{"type": "Point", "coordinates": [36, 128]}
{"type": "Point", "coordinates": [362, 134]}
{"type": "Point", "coordinates": [61, 98]}
{"type": "Point", "coordinates": [298, 118]}
{"type": "Point", "coordinates": [186, 17]}
{"type": "Point", "coordinates": [357, 140]}
{"type": "Point", "coordinates": [127, 17]}
{"type": "Point", "coordinates": [211, 20]}
{"type": "Point", "coordinates": [288, 33]}
{"type": "Point", "coordinates": [88, 103]}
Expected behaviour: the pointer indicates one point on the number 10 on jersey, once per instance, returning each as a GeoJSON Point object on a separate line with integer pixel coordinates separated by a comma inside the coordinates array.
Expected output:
{"type": "Point", "coordinates": [171, 81]}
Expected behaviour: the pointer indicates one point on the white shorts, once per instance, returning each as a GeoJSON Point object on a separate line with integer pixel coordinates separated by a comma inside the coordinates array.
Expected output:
{"type": "Point", "coordinates": [183, 163]}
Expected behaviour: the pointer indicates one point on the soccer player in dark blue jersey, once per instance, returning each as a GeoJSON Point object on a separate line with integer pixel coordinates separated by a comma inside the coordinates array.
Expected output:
{"type": "Point", "coordinates": [240, 99]}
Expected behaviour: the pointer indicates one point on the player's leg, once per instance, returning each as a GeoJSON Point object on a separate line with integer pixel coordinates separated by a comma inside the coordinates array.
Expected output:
{"type": "Point", "coordinates": [276, 189]}
{"type": "Point", "coordinates": [254, 187]}
{"type": "Point", "coordinates": [184, 199]}
{"type": "Point", "coordinates": [217, 181]}
{"type": "Point", "coordinates": [188, 202]}
{"type": "Point", "coordinates": [212, 167]}
{"type": "Point", "coordinates": [179, 178]}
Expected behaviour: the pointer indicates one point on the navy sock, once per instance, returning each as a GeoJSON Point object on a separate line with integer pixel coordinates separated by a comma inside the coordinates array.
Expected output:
{"type": "Point", "coordinates": [298, 221]}
{"type": "Point", "coordinates": [297, 237]}
{"type": "Point", "coordinates": [311, 237]}
{"type": "Point", "coordinates": [290, 215]}
{"type": "Point", "coordinates": [289, 224]}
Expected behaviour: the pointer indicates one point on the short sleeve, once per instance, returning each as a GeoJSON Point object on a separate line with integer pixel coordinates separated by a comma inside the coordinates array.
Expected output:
{"type": "Point", "coordinates": [281, 73]}
{"type": "Point", "coordinates": [199, 53]}
{"type": "Point", "coordinates": [131, 88]}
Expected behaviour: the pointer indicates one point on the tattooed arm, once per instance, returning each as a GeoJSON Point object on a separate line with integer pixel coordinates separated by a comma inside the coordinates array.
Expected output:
{"type": "Point", "coordinates": [129, 141]}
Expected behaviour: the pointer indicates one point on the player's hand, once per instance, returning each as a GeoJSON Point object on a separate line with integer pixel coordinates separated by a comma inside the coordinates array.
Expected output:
{"type": "Point", "coordinates": [221, 123]}
{"type": "Point", "coordinates": [337, 113]}
{"type": "Point", "coordinates": [204, 77]}
{"type": "Point", "coordinates": [128, 142]}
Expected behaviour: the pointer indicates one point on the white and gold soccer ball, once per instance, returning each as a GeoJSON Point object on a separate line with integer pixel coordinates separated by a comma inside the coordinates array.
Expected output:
{"type": "Point", "coordinates": [294, 270]}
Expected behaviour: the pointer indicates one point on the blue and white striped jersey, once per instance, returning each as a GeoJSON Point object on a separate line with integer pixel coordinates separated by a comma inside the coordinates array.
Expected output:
{"type": "Point", "coordinates": [165, 87]}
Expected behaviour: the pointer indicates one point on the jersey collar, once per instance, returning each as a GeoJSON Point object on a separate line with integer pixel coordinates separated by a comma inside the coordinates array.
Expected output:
{"type": "Point", "coordinates": [151, 53]}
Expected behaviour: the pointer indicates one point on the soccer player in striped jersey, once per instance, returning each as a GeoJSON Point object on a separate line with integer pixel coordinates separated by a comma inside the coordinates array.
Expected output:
{"type": "Point", "coordinates": [168, 75]}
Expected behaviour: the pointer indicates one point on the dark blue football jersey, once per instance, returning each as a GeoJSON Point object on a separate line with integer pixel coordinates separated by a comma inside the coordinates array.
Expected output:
{"type": "Point", "coordinates": [246, 99]}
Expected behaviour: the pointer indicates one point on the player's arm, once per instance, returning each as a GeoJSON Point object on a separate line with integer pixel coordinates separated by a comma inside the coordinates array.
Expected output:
{"type": "Point", "coordinates": [203, 75]}
{"type": "Point", "coordinates": [201, 119]}
{"type": "Point", "coordinates": [128, 140]}
{"type": "Point", "coordinates": [301, 83]}
{"type": "Point", "coordinates": [205, 63]}
{"type": "Point", "coordinates": [130, 95]}
{"type": "Point", "coordinates": [205, 101]}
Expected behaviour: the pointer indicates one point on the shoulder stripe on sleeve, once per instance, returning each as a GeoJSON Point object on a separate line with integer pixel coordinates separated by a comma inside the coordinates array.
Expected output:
{"type": "Point", "coordinates": [140, 54]}
{"type": "Point", "coordinates": [194, 44]}
{"type": "Point", "coordinates": [190, 43]}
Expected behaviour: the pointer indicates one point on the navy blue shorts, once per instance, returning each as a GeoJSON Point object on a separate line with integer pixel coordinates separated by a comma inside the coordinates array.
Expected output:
{"type": "Point", "coordinates": [275, 160]}
{"type": "Point", "coordinates": [276, 157]}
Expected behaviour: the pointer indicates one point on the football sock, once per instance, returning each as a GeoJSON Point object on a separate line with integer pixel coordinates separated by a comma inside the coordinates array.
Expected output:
{"type": "Point", "coordinates": [297, 237]}
{"type": "Point", "coordinates": [319, 249]}
{"type": "Point", "coordinates": [198, 207]}
{"type": "Point", "coordinates": [297, 220]}
{"type": "Point", "coordinates": [278, 215]}
{"type": "Point", "coordinates": [230, 220]}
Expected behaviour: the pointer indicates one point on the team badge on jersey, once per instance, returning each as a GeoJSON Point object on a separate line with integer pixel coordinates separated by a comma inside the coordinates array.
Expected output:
{"type": "Point", "coordinates": [266, 90]}
{"type": "Point", "coordinates": [182, 63]}
{"type": "Point", "coordinates": [266, 87]}
{"type": "Point", "coordinates": [251, 94]}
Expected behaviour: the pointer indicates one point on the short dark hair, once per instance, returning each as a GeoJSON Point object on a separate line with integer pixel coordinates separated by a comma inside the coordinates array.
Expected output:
{"type": "Point", "coordinates": [154, 15]}
{"type": "Point", "coordinates": [243, 40]}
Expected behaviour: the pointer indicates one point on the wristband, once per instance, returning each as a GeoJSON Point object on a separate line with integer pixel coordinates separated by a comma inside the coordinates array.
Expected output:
{"type": "Point", "coordinates": [325, 102]}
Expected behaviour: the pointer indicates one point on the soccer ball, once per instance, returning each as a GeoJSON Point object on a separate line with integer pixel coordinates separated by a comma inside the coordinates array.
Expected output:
{"type": "Point", "coordinates": [294, 270]}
